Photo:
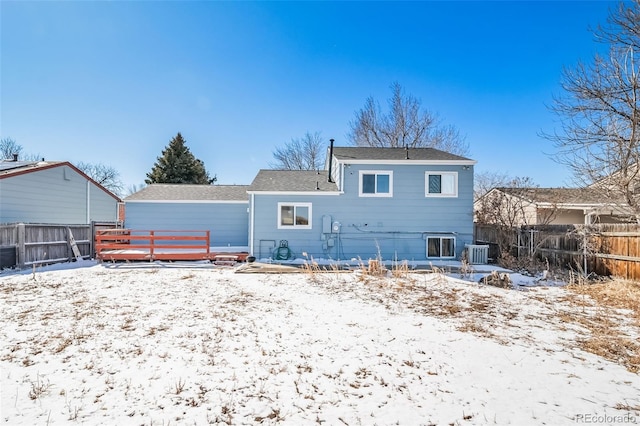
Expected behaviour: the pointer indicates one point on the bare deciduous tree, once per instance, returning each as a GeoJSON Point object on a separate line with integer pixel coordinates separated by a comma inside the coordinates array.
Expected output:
{"type": "Point", "coordinates": [9, 147]}
{"type": "Point", "coordinates": [405, 124]}
{"type": "Point", "coordinates": [133, 188]}
{"type": "Point", "coordinates": [106, 176]}
{"type": "Point", "coordinates": [484, 182]}
{"type": "Point", "coordinates": [599, 135]}
{"type": "Point", "coordinates": [305, 153]}
{"type": "Point", "coordinates": [506, 205]}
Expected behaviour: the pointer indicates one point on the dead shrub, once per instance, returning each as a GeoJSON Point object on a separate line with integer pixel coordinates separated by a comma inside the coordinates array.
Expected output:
{"type": "Point", "coordinates": [376, 268]}
{"type": "Point", "coordinates": [495, 279]}
{"type": "Point", "coordinates": [39, 388]}
{"type": "Point", "coordinates": [526, 265]}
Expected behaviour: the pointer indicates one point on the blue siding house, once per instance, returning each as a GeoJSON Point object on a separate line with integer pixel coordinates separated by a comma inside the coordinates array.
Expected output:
{"type": "Point", "coordinates": [393, 203]}
{"type": "Point", "coordinates": [52, 192]}
{"type": "Point", "coordinates": [221, 209]}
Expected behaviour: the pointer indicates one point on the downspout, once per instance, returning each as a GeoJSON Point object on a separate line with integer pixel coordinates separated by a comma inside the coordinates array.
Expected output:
{"type": "Point", "coordinates": [88, 202]}
{"type": "Point", "coordinates": [330, 179]}
{"type": "Point", "coordinates": [251, 223]}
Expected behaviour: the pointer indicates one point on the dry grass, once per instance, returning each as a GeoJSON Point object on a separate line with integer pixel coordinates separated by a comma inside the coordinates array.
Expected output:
{"type": "Point", "coordinates": [605, 315]}
{"type": "Point", "coordinates": [605, 336]}
{"type": "Point", "coordinates": [618, 349]}
{"type": "Point", "coordinates": [400, 270]}
{"type": "Point", "coordinates": [617, 294]}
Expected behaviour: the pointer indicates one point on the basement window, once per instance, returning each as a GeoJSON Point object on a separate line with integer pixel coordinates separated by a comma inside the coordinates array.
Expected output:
{"type": "Point", "coordinates": [294, 215]}
{"type": "Point", "coordinates": [441, 247]}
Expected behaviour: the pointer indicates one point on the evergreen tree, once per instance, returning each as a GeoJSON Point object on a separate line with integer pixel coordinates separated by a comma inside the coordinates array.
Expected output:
{"type": "Point", "coordinates": [178, 165]}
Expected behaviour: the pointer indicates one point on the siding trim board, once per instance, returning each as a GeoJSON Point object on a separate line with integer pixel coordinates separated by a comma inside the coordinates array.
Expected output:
{"type": "Point", "coordinates": [413, 162]}
{"type": "Point", "coordinates": [306, 194]}
{"type": "Point", "coordinates": [189, 201]}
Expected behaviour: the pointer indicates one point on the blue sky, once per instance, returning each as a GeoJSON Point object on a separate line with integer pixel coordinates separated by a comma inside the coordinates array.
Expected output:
{"type": "Point", "coordinates": [113, 82]}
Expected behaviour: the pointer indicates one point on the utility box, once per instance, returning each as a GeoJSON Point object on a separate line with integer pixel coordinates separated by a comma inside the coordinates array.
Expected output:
{"type": "Point", "coordinates": [8, 258]}
{"type": "Point", "coordinates": [326, 224]}
{"type": "Point", "coordinates": [335, 228]}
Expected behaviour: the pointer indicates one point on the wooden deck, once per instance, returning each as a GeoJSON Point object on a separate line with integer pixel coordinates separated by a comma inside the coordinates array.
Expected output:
{"type": "Point", "coordinates": [142, 245]}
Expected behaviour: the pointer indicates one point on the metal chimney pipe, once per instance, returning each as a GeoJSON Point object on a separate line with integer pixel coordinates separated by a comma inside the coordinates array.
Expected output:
{"type": "Point", "coordinates": [329, 179]}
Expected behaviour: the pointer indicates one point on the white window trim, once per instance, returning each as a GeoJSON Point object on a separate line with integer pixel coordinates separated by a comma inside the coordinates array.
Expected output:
{"type": "Point", "coordinates": [440, 237]}
{"type": "Point", "coordinates": [376, 172]}
{"type": "Point", "coordinates": [440, 195]}
{"type": "Point", "coordinates": [295, 205]}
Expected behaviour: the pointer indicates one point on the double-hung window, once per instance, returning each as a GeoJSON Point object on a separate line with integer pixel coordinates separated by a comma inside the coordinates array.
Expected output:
{"type": "Point", "coordinates": [294, 215]}
{"type": "Point", "coordinates": [441, 184]}
{"type": "Point", "coordinates": [441, 247]}
{"type": "Point", "coordinates": [376, 183]}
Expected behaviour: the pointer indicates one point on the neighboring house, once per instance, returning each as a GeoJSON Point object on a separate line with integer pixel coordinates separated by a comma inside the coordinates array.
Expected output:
{"type": "Point", "coordinates": [393, 203]}
{"type": "Point", "coordinates": [52, 193]}
{"type": "Point", "coordinates": [548, 206]}
{"type": "Point", "coordinates": [221, 209]}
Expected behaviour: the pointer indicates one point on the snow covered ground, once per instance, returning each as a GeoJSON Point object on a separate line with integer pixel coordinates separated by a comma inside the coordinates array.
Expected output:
{"type": "Point", "coordinates": [160, 344]}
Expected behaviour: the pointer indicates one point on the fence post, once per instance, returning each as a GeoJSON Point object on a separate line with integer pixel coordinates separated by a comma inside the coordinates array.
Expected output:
{"type": "Point", "coordinates": [21, 246]}
{"type": "Point", "coordinates": [584, 252]}
{"type": "Point", "coordinates": [92, 239]}
{"type": "Point", "coordinates": [152, 240]}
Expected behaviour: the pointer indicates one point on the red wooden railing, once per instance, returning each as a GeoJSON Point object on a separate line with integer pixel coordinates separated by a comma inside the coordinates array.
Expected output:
{"type": "Point", "coordinates": [128, 244]}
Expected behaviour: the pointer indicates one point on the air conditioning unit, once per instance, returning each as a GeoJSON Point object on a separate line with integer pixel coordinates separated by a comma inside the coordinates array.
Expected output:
{"type": "Point", "coordinates": [477, 254]}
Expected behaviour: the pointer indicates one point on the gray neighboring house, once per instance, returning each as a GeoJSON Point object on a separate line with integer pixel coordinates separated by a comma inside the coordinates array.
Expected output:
{"type": "Point", "coordinates": [394, 203]}
{"type": "Point", "coordinates": [221, 209]}
{"type": "Point", "coordinates": [52, 193]}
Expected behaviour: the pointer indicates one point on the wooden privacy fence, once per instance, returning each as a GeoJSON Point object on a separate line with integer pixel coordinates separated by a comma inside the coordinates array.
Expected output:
{"type": "Point", "coordinates": [604, 249]}
{"type": "Point", "coordinates": [27, 244]}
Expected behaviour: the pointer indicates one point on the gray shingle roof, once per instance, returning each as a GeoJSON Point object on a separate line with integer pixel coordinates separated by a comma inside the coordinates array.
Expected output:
{"type": "Point", "coordinates": [187, 192]}
{"type": "Point", "coordinates": [366, 153]}
{"type": "Point", "coordinates": [292, 181]}
{"type": "Point", "coordinates": [558, 195]}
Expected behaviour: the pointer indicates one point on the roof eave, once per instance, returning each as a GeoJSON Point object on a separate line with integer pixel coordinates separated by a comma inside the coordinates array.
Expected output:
{"type": "Point", "coordinates": [413, 162]}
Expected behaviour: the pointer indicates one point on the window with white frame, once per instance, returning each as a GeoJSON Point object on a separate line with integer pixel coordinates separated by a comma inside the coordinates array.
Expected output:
{"type": "Point", "coordinates": [294, 215]}
{"type": "Point", "coordinates": [376, 183]}
{"type": "Point", "coordinates": [441, 247]}
{"type": "Point", "coordinates": [441, 184]}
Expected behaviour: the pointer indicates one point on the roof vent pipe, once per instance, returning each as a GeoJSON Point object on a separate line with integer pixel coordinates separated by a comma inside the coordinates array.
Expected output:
{"type": "Point", "coordinates": [15, 157]}
{"type": "Point", "coordinates": [329, 179]}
